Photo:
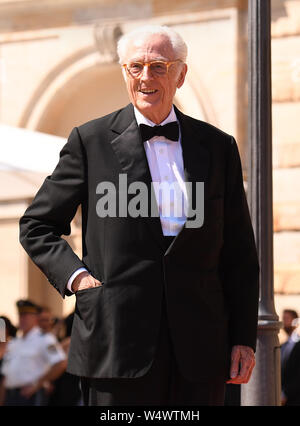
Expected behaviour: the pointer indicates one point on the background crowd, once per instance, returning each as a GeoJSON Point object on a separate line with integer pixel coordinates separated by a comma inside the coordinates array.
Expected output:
{"type": "Point", "coordinates": [39, 336]}
{"type": "Point", "coordinates": [290, 359]}
{"type": "Point", "coordinates": [33, 359]}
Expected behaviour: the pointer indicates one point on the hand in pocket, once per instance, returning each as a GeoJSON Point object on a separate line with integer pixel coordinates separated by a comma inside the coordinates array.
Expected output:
{"type": "Point", "coordinates": [83, 281]}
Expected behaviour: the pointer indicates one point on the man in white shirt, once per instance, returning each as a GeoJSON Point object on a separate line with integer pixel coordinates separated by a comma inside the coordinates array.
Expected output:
{"type": "Point", "coordinates": [31, 360]}
{"type": "Point", "coordinates": [166, 303]}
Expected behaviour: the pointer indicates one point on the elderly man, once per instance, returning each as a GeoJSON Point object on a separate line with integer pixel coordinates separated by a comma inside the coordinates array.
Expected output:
{"type": "Point", "coordinates": [166, 302]}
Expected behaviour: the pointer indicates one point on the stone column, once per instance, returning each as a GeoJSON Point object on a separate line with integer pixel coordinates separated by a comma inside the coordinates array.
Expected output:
{"type": "Point", "coordinates": [264, 386]}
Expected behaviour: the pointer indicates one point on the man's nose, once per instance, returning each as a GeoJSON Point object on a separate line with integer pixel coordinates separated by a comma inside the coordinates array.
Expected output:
{"type": "Point", "coordinates": [146, 73]}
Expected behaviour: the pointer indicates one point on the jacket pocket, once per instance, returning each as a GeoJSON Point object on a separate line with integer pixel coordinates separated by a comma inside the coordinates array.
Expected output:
{"type": "Point", "coordinates": [89, 306]}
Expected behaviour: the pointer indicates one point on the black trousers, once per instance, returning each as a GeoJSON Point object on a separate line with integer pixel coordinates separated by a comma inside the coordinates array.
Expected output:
{"type": "Point", "coordinates": [13, 397]}
{"type": "Point", "coordinates": [162, 385]}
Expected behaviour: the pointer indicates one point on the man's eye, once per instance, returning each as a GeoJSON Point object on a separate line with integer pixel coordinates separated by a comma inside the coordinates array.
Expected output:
{"type": "Point", "coordinates": [158, 67]}
{"type": "Point", "coordinates": [135, 67]}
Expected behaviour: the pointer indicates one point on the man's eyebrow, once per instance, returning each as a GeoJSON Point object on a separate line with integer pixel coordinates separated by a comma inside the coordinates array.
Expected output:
{"type": "Point", "coordinates": [153, 59]}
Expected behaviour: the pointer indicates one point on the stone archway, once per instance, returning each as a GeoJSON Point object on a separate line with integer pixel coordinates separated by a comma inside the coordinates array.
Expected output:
{"type": "Point", "coordinates": [90, 93]}
{"type": "Point", "coordinates": [85, 87]}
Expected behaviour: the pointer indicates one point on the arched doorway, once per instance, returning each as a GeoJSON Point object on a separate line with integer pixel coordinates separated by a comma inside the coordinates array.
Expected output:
{"type": "Point", "coordinates": [91, 93]}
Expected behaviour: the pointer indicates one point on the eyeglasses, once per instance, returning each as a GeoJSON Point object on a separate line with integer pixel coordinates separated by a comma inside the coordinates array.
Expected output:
{"type": "Point", "coordinates": [157, 68]}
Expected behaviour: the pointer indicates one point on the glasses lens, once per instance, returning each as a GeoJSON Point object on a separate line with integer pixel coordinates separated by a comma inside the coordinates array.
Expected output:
{"type": "Point", "coordinates": [135, 68]}
{"type": "Point", "coordinates": [158, 68]}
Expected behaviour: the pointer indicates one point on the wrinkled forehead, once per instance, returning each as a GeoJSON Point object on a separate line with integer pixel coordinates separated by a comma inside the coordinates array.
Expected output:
{"type": "Point", "coordinates": [149, 48]}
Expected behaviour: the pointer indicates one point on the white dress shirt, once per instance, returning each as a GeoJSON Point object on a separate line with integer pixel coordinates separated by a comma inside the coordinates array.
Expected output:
{"type": "Point", "coordinates": [166, 167]}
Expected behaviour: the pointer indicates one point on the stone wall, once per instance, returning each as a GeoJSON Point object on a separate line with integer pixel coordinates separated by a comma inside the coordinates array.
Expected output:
{"type": "Point", "coordinates": [286, 144]}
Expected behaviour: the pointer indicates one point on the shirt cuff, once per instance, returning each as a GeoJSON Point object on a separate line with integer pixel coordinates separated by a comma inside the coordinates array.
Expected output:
{"type": "Point", "coordinates": [72, 278]}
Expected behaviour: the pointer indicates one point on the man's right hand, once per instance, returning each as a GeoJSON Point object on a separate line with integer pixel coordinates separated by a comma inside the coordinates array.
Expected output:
{"type": "Point", "coordinates": [83, 281]}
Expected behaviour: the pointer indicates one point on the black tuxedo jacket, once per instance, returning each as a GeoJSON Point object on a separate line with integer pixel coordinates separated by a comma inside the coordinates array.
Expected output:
{"type": "Point", "coordinates": [209, 274]}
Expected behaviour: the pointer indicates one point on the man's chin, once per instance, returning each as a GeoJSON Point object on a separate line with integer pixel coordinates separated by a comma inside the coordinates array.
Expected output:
{"type": "Point", "coordinates": [147, 105]}
{"type": "Point", "coordinates": [151, 110]}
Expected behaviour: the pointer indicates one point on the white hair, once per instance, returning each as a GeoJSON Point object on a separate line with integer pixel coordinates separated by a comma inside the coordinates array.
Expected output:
{"type": "Point", "coordinates": [178, 44]}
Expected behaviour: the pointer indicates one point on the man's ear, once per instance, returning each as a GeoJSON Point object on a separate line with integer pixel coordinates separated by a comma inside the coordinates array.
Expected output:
{"type": "Point", "coordinates": [182, 76]}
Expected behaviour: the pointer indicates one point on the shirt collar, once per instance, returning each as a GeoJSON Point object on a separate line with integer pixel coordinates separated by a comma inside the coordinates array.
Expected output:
{"type": "Point", "coordinates": [141, 119]}
{"type": "Point", "coordinates": [35, 330]}
{"type": "Point", "coordinates": [295, 337]}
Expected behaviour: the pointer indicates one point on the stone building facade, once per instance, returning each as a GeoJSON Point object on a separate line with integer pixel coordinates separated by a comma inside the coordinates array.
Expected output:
{"type": "Point", "coordinates": [58, 69]}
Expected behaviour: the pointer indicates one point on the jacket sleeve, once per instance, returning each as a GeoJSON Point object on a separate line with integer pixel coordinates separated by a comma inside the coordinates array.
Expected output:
{"type": "Point", "coordinates": [239, 262]}
{"type": "Point", "coordinates": [50, 214]}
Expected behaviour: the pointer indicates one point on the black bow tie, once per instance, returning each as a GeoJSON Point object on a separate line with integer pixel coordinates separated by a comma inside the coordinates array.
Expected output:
{"type": "Point", "coordinates": [169, 131]}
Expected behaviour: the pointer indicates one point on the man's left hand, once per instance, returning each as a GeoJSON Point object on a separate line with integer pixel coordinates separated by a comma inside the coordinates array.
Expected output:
{"type": "Point", "coordinates": [242, 364]}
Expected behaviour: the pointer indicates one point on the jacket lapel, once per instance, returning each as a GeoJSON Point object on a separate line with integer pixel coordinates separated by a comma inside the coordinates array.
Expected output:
{"type": "Point", "coordinates": [196, 159]}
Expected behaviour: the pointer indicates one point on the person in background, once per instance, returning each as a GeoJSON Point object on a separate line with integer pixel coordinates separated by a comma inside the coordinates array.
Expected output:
{"type": "Point", "coordinates": [50, 324]}
{"type": "Point", "coordinates": [9, 332]}
{"type": "Point", "coordinates": [290, 377]}
{"type": "Point", "coordinates": [30, 360]}
{"type": "Point", "coordinates": [288, 316]}
{"type": "Point", "coordinates": [45, 319]}
{"type": "Point", "coordinates": [67, 387]}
